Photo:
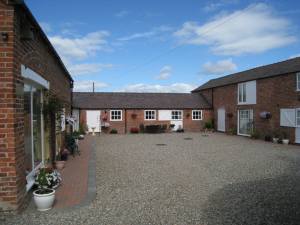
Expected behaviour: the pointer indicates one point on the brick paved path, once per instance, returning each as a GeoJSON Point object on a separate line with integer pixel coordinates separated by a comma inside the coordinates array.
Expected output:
{"type": "Point", "coordinates": [75, 177]}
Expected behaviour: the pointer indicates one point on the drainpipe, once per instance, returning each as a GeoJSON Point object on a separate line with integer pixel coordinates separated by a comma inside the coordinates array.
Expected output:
{"type": "Point", "coordinates": [125, 118]}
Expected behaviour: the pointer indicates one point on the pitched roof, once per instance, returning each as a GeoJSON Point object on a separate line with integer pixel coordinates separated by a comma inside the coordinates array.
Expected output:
{"type": "Point", "coordinates": [275, 69]}
{"type": "Point", "coordinates": [119, 100]}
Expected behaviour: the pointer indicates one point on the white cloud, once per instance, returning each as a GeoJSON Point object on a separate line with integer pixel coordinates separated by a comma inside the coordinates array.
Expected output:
{"type": "Point", "coordinates": [122, 14]}
{"type": "Point", "coordinates": [87, 85]}
{"type": "Point", "coordinates": [295, 56]}
{"type": "Point", "coordinates": [88, 68]}
{"type": "Point", "coordinates": [82, 47]}
{"type": "Point", "coordinates": [172, 88]}
{"type": "Point", "coordinates": [46, 27]}
{"type": "Point", "coordinates": [219, 67]}
{"type": "Point", "coordinates": [252, 30]}
{"type": "Point", "coordinates": [164, 73]}
{"type": "Point", "coordinates": [212, 6]}
{"type": "Point", "coordinates": [153, 32]}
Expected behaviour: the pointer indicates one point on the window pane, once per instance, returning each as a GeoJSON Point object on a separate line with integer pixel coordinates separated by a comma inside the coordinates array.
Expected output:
{"type": "Point", "coordinates": [37, 146]}
{"type": "Point", "coordinates": [244, 92]}
{"type": "Point", "coordinates": [27, 129]}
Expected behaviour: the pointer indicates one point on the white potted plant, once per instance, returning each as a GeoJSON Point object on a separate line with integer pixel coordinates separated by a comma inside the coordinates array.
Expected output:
{"type": "Point", "coordinates": [275, 137]}
{"type": "Point", "coordinates": [285, 138]}
{"type": "Point", "coordinates": [46, 181]}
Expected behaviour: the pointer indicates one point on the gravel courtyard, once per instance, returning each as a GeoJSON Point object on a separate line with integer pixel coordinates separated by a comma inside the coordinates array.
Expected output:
{"type": "Point", "coordinates": [187, 179]}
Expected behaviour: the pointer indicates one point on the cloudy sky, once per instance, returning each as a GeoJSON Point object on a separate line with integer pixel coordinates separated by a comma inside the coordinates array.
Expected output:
{"type": "Point", "coordinates": [166, 46]}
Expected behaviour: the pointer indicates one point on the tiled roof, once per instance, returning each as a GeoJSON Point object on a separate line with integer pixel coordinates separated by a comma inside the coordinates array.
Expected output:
{"type": "Point", "coordinates": [119, 100]}
{"type": "Point", "coordinates": [280, 68]}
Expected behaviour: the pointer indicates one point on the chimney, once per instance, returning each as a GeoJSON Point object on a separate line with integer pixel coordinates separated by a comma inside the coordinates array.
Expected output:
{"type": "Point", "coordinates": [93, 87]}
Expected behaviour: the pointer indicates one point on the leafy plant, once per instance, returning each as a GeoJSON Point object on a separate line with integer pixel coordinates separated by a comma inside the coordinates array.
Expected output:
{"type": "Point", "coordinates": [285, 135]}
{"type": "Point", "coordinates": [70, 143]}
{"type": "Point", "coordinates": [46, 179]}
{"type": "Point", "coordinates": [82, 128]}
{"type": "Point", "coordinates": [254, 134]}
{"type": "Point", "coordinates": [232, 131]}
{"type": "Point", "coordinates": [209, 124]}
{"type": "Point", "coordinates": [52, 107]}
{"type": "Point", "coordinates": [113, 131]}
{"type": "Point", "coordinates": [276, 134]}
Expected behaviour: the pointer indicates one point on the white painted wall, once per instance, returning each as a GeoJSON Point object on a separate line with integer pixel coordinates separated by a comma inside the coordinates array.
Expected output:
{"type": "Point", "coordinates": [93, 120]}
{"type": "Point", "coordinates": [164, 115]}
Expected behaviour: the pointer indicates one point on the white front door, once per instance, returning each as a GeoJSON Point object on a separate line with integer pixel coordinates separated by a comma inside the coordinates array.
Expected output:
{"type": "Point", "coordinates": [245, 122]}
{"type": "Point", "coordinates": [93, 120]}
{"type": "Point", "coordinates": [221, 120]}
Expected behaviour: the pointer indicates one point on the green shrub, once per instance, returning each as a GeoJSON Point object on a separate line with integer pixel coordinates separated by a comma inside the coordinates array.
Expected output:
{"type": "Point", "coordinates": [113, 131]}
{"type": "Point", "coordinates": [209, 124]}
{"type": "Point", "coordinates": [232, 131]}
{"type": "Point", "coordinates": [254, 134]}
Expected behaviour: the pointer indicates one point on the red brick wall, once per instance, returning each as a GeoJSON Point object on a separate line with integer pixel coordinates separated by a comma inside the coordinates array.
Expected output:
{"type": "Point", "coordinates": [36, 55]}
{"type": "Point", "coordinates": [272, 95]}
{"type": "Point", "coordinates": [191, 125]}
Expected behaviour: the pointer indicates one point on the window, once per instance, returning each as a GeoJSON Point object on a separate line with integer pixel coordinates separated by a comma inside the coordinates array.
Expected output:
{"type": "Point", "coordinates": [247, 93]}
{"type": "Point", "coordinates": [115, 115]}
{"type": "Point", "coordinates": [150, 114]}
{"type": "Point", "coordinates": [176, 115]}
{"type": "Point", "coordinates": [197, 115]}
{"type": "Point", "coordinates": [298, 81]}
{"type": "Point", "coordinates": [298, 117]}
{"type": "Point", "coordinates": [242, 92]}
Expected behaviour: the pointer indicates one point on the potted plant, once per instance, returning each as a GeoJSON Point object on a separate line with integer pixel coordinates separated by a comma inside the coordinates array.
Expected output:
{"type": "Point", "coordinates": [285, 138]}
{"type": "Point", "coordinates": [46, 180]}
{"type": "Point", "coordinates": [59, 163]}
{"type": "Point", "coordinates": [275, 137]}
{"type": "Point", "coordinates": [255, 134]}
{"type": "Point", "coordinates": [134, 130]}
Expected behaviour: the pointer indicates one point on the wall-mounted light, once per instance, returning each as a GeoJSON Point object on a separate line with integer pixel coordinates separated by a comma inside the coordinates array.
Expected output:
{"type": "Point", "coordinates": [4, 36]}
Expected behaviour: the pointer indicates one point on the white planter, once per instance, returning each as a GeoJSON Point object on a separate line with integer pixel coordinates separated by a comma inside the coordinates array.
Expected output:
{"type": "Point", "coordinates": [44, 202]}
{"type": "Point", "coordinates": [275, 140]}
{"type": "Point", "coordinates": [285, 141]}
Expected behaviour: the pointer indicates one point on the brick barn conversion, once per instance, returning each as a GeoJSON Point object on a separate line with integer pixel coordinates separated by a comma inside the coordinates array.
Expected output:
{"type": "Point", "coordinates": [263, 100]}
{"type": "Point", "coordinates": [126, 111]}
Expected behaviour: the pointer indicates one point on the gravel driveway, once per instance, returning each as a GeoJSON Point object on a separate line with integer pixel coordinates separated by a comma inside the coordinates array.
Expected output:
{"type": "Point", "coordinates": [187, 179]}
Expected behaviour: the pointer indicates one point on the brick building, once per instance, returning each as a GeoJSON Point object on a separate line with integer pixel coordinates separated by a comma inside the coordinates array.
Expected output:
{"type": "Point", "coordinates": [265, 100]}
{"type": "Point", "coordinates": [124, 111]}
{"type": "Point", "coordinates": [30, 70]}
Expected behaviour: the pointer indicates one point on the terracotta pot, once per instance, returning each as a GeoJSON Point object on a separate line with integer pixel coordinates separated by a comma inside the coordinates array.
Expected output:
{"type": "Point", "coordinates": [60, 165]}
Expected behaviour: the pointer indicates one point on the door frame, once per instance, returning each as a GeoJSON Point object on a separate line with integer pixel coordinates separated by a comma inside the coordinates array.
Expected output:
{"type": "Point", "coordinates": [99, 120]}
{"type": "Point", "coordinates": [238, 121]}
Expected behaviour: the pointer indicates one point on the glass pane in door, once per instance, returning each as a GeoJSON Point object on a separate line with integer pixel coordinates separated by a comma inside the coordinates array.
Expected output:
{"type": "Point", "coordinates": [37, 146]}
{"type": "Point", "coordinates": [245, 122]}
{"type": "Point", "coordinates": [27, 128]}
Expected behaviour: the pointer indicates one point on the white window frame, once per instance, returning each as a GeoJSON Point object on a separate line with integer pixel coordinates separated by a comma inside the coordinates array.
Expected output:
{"type": "Point", "coordinates": [298, 81]}
{"type": "Point", "coordinates": [180, 113]}
{"type": "Point", "coordinates": [201, 114]}
{"type": "Point", "coordinates": [148, 110]}
{"type": "Point", "coordinates": [243, 88]}
{"type": "Point", "coordinates": [116, 110]}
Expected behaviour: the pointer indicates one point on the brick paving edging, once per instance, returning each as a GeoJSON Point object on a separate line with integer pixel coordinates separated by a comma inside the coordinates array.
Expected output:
{"type": "Point", "coordinates": [91, 189]}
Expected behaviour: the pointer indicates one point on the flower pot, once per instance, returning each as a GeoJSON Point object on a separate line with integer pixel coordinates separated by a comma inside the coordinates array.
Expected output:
{"type": "Point", "coordinates": [285, 141]}
{"type": "Point", "coordinates": [44, 202]}
{"type": "Point", "coordinates": [60, 165]}
{"type": "Point", "coordinates": [275, 140]}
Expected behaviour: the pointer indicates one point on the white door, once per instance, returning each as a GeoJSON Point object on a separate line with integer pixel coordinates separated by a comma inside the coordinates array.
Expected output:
{"type": "Point", "coordinates": [245, 122]}
{"type": "Point", "coordinates": [93, 120]}
{"type": "Point", "coordinates": [221, 120]}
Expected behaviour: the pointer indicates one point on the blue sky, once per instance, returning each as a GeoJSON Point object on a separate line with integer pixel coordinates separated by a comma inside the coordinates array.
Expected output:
{"type": "Point", "coordinates": [166, 46]}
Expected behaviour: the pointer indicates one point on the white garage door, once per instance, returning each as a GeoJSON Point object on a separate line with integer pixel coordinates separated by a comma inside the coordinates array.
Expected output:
{"type": "Point", "coordinates": [93, 120]}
